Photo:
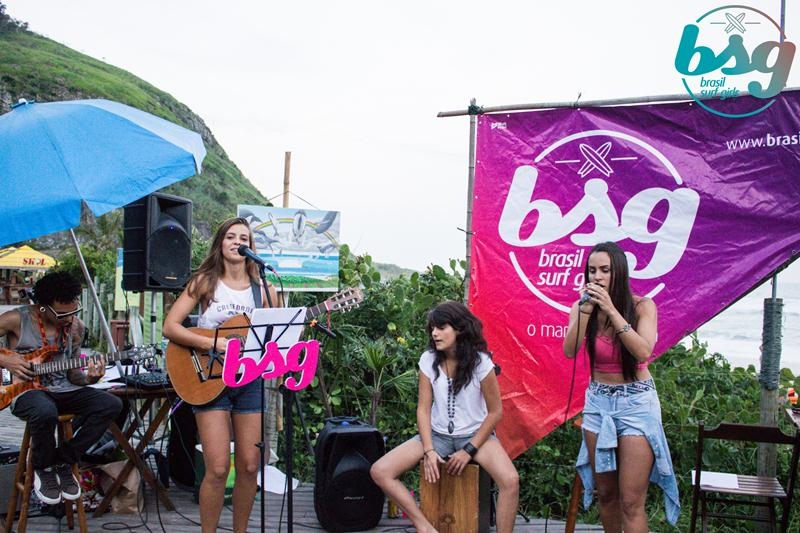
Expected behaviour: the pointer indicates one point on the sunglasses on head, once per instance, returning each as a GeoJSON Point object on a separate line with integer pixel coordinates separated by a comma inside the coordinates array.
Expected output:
{"type": "Point", "coordinates": [66, 314]}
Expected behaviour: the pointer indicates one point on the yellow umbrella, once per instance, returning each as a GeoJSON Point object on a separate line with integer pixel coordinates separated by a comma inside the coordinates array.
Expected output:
{"type": "Point", "coordinates": [25, 258]}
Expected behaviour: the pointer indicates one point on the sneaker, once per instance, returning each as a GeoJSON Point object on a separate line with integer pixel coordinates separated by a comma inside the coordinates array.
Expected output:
{"type": "Point", "coordinates": [45, 485]}
{"type": "Point", "coordinates": [70, 489]}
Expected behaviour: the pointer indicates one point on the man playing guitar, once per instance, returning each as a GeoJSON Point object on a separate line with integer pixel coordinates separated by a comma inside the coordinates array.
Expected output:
{"type": "Point", "coordinates": [51, 325]}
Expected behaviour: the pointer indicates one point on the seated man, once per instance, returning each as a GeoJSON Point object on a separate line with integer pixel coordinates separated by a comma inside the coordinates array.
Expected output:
{"type": "Point", "coordinates": [52, 321]}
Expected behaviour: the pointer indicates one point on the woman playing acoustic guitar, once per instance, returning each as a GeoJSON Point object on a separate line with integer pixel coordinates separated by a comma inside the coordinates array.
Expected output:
{"type": "Point", "coordinates": [225, 285]}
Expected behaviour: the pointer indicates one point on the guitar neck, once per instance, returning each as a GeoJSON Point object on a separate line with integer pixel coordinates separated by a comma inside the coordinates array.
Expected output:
{"type": "Point", "coordinates": [317, 310]}
{"type": "Point", "coordinates": [62, 365]}
{"type": "Point", "coordinates": [341, 301]}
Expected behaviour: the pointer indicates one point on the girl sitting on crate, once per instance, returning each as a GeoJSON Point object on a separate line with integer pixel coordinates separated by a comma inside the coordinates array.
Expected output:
{"type": "Point", "coordinates": [457, 411]}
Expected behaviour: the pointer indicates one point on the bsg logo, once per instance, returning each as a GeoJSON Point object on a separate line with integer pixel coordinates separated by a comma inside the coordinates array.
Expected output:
{"type": "Point", "coordinates": [749, 42]}
{"type": "Point", "coordinates": [625, 189]}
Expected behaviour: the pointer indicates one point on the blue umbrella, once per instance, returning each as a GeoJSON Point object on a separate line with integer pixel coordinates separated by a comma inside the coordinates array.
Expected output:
{"type": "Point", "coordinates": [54, 156]}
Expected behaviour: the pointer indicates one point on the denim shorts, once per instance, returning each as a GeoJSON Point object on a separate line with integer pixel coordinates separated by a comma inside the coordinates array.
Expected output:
{"type": "Point", "coordinates": [637, 401]}
{"type": "Point", "coordinates": [237, 400]}
{"type": "Point", "coordinates": [445, 445]}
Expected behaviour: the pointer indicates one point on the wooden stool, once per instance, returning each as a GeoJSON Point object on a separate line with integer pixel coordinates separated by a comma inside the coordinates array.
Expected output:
{"type": "Point", "coordinates": [457, 504]}
{"type": "Point", "coordinates": [23, 482]}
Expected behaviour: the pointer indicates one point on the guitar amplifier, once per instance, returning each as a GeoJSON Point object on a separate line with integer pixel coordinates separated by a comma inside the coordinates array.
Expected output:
{"type": "Point", "coordinates": [8, 465]}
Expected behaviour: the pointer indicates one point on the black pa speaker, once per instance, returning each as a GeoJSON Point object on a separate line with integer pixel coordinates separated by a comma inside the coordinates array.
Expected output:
{"type": "Point", "coordinates": [345, 497]}
{"type": "Point", "coordinates": [181, 444]}
{"type": "Point", "coordinates": [157, 243]}
{"type": "Point", "coordinates": [8, 468]}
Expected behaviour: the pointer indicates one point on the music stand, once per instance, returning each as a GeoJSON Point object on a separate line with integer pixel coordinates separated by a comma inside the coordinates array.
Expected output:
{"type": "Point", "coordinates": [284, 326]}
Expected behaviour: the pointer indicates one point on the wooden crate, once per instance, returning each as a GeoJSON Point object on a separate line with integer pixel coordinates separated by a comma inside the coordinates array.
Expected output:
{"type": "Point", "coordinates": [457, 504]}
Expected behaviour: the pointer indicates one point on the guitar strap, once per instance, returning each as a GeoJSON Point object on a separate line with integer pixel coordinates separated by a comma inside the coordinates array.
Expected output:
{"type": "Point", "coordinates": [41, 329]}
{"type": "Point", "coordinates": [256, 293]}
{"type": "Point", "coordinates": [62, 341]}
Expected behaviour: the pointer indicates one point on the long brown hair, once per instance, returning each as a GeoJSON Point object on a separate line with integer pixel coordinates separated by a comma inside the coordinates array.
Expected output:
{"type": "Point", "coordinates": [621, 297]}
{"type": "Point", "coordinates": [469, 340]}
{"type": "Point", "coordinates": [205, 279]}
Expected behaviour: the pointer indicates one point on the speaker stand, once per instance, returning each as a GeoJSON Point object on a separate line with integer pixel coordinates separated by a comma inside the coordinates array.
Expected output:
{"type": "Point", "coordinates": [289, 399]}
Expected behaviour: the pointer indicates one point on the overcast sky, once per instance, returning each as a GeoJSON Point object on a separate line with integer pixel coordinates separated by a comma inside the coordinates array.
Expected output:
{"type": "Point", "coordinates": [352, 88]}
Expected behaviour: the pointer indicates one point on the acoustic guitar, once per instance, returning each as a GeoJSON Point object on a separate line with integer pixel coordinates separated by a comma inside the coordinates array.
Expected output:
{"type": "Point", "coordinates": [42, 363]}
{"type": "Point", "coordinates": [196, 375]}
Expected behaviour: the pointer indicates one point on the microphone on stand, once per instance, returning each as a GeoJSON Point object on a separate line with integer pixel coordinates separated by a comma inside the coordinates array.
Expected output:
{"type": "Point", "coordinates": [245, 251]}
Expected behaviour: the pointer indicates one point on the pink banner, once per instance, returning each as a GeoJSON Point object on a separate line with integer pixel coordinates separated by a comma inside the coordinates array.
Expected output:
{"type": "Point", "coordinates": [705, 207]}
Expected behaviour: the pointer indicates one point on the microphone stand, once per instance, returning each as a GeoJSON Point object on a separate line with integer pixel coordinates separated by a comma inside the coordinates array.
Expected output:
{"type": "Point", "coordinates": [262, 273]}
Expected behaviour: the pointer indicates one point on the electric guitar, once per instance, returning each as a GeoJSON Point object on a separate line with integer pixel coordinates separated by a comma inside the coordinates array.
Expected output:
{"type": "Point", "coordinates": [42, 364]}
{"type": "Point", "coordinates": [196, 375]}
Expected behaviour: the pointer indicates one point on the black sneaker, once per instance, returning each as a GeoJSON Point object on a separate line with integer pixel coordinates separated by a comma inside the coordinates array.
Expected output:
{"type": "Point", "coordinates": [70, 488]}
{"type": "Point", "coordinates": [45, 485]}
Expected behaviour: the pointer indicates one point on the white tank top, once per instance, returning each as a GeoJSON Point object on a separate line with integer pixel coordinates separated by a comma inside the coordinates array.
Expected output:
{"type": "Point", "coordinates": [227, 302]}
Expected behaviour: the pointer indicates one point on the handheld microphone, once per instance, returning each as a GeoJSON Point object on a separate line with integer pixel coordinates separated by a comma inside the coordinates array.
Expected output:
{"type": "Point", "coordinates": [245, 251]}
{"type": "Point", "coordinates": [585, 297]}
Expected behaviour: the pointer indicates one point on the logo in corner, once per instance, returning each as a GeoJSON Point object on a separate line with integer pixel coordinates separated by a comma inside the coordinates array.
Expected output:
{"type": "Point", "coordinates": [733, 50]}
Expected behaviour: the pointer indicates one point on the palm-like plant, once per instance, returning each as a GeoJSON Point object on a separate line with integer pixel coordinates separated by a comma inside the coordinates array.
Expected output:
{"type": "Point", "coordinates": [383, 367]}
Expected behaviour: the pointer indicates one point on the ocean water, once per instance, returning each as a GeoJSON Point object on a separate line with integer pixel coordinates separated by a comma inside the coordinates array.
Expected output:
{"type": "Point", "coordinates": [736, 332]}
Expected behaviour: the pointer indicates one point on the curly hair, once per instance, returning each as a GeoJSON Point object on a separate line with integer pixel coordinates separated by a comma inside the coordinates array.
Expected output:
{"type": "Point", "coordinates": [59, 286]}
{"type": "Point", "coordinates": [469, 340]}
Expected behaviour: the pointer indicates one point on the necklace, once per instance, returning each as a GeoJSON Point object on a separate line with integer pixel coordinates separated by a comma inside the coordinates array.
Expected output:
{"type": "Point", "coordinates": [451, 403]}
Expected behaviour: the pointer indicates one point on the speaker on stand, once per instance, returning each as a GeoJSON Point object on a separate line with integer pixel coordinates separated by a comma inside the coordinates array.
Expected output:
{"type": "Point", "coordinates": [157, 243]}
{"type": "Point", "coordinates": [345, 497]}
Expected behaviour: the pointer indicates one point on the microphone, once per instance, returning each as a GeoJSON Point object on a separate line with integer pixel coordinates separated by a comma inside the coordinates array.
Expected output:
{"type": "Point", "coordinates": [585, 297]}
{"type": "Point", "coordinates": [245, 251]}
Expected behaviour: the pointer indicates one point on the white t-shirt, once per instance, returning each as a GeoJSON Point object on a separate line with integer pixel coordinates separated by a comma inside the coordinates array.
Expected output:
{"type": "Point", "coordinates": [470, 406]}
{"type": "Point", "coordinates": [227, 302]}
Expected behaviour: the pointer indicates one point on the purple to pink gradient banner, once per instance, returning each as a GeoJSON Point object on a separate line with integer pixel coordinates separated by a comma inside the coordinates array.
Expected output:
{"type": "Point", "coordinates": [705, 207]}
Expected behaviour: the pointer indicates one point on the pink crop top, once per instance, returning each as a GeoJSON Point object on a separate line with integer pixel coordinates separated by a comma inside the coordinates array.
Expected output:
{"type": "Point", "coordinates": [608, 356]}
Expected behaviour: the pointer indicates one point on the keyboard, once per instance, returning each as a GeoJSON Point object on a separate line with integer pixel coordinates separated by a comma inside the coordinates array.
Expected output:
{"type": "Point", "coordinates": [148, 380]}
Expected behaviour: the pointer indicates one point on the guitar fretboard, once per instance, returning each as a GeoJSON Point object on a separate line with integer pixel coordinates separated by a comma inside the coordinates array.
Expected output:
{"type": "Point", "coordinates": [60, 365]}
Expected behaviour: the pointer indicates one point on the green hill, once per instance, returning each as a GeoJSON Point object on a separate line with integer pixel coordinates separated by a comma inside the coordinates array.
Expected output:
{"type": "Point", "coordinates": [36, 68]}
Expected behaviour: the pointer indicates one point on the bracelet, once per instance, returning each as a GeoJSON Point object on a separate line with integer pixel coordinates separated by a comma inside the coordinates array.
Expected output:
{"type": "Point", "coordinates": [584, 312]}
{"type": "Point", "coordinates": [470, 449]}
{"type": "Point", "coordinates": [427, 451]}
{"type": "Point", "coordinates": [624, 329]}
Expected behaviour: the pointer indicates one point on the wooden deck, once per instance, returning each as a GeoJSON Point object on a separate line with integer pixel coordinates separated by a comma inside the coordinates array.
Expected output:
{"type": "Point", "coordinates": [185, 519]}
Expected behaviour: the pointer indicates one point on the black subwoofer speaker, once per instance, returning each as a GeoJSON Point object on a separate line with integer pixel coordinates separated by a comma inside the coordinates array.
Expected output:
{"type": "Point", "coordinates": [8, 467]}
{"type": "Point", "coordinates": [345, 497]}
{"type": "Point", "coordinates": [157, 243]}
{"type": "Point", "coordinates": [181, 446]}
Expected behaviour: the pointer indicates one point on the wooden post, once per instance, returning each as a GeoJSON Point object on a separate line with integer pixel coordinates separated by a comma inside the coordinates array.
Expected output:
{"type": "Point", "coordinates": [287, 164]}
{"type": "Point", "coordinates": [769, 379]}
{"type": "Point", "coordinates": [473, 124]}
{"type": "Point", "coordinates": [274, 399]}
